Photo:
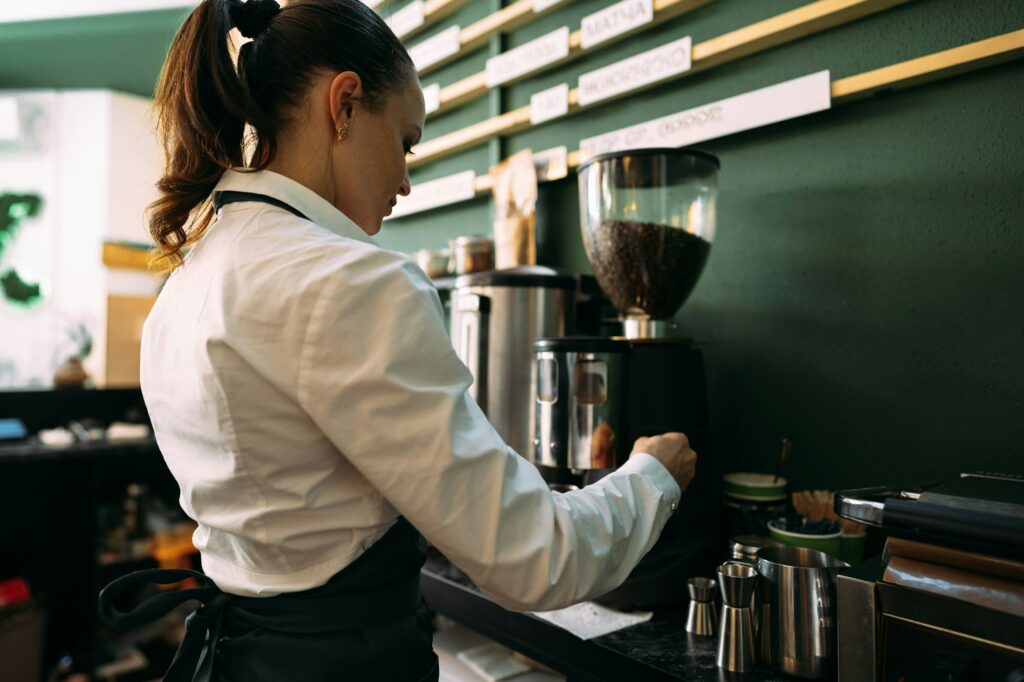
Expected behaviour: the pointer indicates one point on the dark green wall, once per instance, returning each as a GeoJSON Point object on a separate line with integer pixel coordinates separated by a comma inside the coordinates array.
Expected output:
{"type": "Point", "coordinates": [865, 294]}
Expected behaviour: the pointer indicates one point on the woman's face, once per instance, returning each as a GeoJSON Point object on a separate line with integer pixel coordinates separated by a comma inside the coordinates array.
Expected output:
{"type": "Point", "coordinates": [369, 165]}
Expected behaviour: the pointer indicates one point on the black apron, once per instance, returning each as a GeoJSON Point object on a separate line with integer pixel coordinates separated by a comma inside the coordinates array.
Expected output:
{"type": "Point", "coordinates": [368, 622]}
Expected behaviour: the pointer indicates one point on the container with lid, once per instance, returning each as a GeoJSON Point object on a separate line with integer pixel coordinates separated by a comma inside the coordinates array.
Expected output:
{"type": "Point", "coordinates": [471, 254]}
{"type": "Point", "coordinates": [433, 262]}
{"type": "Point", "coordinates": [496, 315]}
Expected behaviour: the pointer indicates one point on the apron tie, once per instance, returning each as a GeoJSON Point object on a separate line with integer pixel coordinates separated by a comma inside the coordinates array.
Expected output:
{"type": "Point", "coordinates": [193, 662]}
{"type": "Point", "coordinates": [382, 585]}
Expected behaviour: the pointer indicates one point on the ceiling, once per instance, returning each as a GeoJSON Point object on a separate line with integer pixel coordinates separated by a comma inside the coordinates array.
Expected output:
{"type": "Point", "coordinates": [117, 51]}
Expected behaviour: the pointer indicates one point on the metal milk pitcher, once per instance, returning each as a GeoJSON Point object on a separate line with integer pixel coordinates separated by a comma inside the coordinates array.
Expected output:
{"type": "Point", "coordinates": [798, 610]}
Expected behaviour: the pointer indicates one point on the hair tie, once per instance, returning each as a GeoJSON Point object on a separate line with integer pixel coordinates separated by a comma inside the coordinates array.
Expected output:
{"type": "Point", "coordinates": [253, 17]}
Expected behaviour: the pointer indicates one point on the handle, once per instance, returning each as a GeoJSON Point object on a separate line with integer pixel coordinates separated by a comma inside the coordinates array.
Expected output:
{"type": "Point", "coordinates": [473, 343]}
{"type": "Point", "coordinates": [867, 505]}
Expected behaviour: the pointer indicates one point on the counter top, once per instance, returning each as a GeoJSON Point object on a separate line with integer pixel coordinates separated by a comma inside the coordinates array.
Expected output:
{"type": "Point", "coordinates": [658, 649]}
{"type": "Point", "coordinates": [37, 452]}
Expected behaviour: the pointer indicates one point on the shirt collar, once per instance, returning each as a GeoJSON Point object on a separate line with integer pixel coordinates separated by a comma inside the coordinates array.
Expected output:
{"type": "Point", "coordinates": [296, 195]}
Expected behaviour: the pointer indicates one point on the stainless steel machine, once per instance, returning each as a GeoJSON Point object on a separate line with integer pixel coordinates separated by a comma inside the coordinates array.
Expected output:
{"type": "Point", "coordinates": [945, 601]}
{"type": "Point", "coordinates": [648, 219]}
{"type": "Point", "coordinates": [496, 315]}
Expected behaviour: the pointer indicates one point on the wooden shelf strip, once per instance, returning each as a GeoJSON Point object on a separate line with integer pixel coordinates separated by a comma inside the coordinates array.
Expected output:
{"type": "Point", "coordinates": [932, 67]}
{"type": "Point", "coordinates": [476, 35]}
{"type": "Point", "coordinates": [788, 26]}
{"type": "Point", "coordinates": [129, 256]}
{"type": "Point", "coordinates": [515, 15]}
{"type": "Point", "coordinates": [433, 12]}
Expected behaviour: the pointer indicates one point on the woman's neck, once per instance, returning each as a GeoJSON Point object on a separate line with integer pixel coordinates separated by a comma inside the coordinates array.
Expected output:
{"type": "Point", "coordinates": [294, 161]}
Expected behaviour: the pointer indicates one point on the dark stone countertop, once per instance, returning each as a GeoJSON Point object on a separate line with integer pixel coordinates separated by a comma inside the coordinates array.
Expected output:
{"type": "Point", "coordinates": [659, 649]}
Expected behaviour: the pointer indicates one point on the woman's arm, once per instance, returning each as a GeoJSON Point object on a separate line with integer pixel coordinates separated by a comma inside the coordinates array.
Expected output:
{"type": "Point", "coordinates": [380, 378]}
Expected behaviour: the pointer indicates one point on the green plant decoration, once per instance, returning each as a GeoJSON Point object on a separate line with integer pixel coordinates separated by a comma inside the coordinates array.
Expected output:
{"type": "Point", "coordinates": [13, 209]}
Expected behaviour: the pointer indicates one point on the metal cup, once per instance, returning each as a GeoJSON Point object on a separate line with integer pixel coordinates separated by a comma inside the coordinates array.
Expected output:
{"type": "Point", "coordinates": [736, 646]}
{"type": "Point", "coordinates": [798, 610]}
{"type": "Point", "coordinates": [703, 616]}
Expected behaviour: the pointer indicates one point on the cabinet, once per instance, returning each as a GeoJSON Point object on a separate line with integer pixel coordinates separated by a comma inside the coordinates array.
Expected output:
{"type": "Point", "coordinates": [49, 503]}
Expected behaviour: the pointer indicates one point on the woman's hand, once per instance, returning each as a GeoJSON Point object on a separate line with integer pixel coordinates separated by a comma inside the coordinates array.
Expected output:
{"type": "Point", "coordinates": [673, 451]}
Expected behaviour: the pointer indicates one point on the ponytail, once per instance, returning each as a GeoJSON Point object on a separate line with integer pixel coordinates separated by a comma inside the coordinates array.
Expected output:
{"type": "Point", "coordinates": [204, 104]}
{"type": "Point", "coordinates": [200, 121]}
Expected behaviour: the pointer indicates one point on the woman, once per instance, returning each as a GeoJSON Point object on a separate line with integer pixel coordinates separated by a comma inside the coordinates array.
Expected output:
{"type": "Point", "coordinates": [301, 384]}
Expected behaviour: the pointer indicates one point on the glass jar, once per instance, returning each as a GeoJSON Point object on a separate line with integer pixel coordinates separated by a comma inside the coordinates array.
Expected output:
{"type": "Point", "coordinates": [434, 262]}
{"type": "Point", "coordinates": [648, 220]}
{"type": "Point", "coordinates": [471, 254]}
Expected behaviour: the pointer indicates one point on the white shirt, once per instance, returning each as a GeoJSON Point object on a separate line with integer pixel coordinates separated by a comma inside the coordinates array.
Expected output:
{"type": "Point", "coordinates": [304, 393]}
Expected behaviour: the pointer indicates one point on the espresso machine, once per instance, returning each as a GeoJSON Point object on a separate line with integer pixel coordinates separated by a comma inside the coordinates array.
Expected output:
{"type": "Point", "coordinates": [648, 220]}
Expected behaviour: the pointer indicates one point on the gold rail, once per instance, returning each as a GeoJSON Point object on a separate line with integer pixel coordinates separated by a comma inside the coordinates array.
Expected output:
{"type": "Point", "coordinates": [906, 74]}
{"type": "Point", "coordinates": [783, 28]}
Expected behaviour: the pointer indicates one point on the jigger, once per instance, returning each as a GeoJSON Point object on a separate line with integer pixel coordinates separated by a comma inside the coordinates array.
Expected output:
{"type": "Point", "coordinates": [736, 651]}
{"type": "Point", "coordinates": [703, 615]}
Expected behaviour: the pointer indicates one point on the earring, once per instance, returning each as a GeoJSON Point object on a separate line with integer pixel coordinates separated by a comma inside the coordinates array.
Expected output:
{"type": "Point", "coordinates": [343, 133]}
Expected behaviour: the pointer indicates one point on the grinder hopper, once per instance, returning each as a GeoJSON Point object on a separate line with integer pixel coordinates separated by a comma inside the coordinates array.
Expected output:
{"type": "Point", "coordinates": [648, 220]}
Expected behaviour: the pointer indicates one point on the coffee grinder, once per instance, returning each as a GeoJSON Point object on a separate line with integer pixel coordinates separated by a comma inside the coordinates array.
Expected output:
{"type": "Point", "coordinates": [648, 220]}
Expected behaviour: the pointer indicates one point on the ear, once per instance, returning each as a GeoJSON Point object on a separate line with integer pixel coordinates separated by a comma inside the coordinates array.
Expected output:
{"type": "Point", "coordinates": [345, 91]}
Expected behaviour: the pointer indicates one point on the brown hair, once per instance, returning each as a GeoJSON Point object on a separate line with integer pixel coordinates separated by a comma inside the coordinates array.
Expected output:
{"type": "Point", "coordinates": [203, 102]}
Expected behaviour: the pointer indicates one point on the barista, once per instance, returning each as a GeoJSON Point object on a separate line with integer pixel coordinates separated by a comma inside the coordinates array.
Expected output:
{"type": "Point", "coordinates": [301, 384]}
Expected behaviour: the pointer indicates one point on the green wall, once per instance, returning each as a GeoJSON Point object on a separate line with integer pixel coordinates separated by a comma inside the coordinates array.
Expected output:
{"type": "Point", "coordinates": [865, 293]}
{"type": "Point", "coordinates": [120, 51]}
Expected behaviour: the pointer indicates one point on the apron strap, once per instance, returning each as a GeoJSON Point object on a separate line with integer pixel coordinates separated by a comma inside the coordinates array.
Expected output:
{"type": "Point", "coordinates": [337, 606]}
{"type": "Point", "coordinates": [193, 662]}
{"type": "Point", "coordinates": [226, 197]}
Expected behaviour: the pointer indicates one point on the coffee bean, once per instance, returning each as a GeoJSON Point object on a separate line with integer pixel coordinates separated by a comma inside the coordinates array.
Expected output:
{"type": "Point", "coordinates": [647, 268]}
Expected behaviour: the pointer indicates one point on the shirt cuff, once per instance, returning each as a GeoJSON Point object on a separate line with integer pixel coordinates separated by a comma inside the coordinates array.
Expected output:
{"type": "Point", "coordinates": [656, 473]}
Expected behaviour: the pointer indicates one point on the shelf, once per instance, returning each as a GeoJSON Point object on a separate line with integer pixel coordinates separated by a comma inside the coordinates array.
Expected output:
{"type": "Point", "coordinates": [433, 12]}
{"type": "Point", "coordinates": [778, 30]}
{"type": "Point", "coordinates": [126, 256]}
{"type": "Point", "coordinates": [909, 73]}
{"type": "Point", "coordinates": [37, 452]}
{"type": "Point", "coordinates": [514, 16]}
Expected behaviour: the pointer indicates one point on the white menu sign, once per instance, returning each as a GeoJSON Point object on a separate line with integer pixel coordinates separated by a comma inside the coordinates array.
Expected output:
{"type": "Point", "coordinates": [549, 48]}
{"type": "Point", "coordinates": [542, 5]}
{"type": "Point", "coordinates": [441, 192]}
{"type": "Point", "coordinates": [432, 97]}
{"type": "Point", "coordinates": [9, 125]}
{"type": "Point", "coordinates": [548, 104]}
{"type": "Point", "coordinates": [552, 164]}
{"type": "Point", "coordinates": [629, 74]}
{"type": "Point", "coordinates": [774, 103]}
{"type": "Point", "coordinates": [436, 48]}
{"type": "Point", "coordinates": [615, 20]}
{"type": "Point", "coordinates": [407, 19]}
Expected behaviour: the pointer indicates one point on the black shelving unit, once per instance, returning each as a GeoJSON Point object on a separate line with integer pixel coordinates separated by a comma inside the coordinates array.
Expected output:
{"type": "Point", "coordinates": [49, 497]}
